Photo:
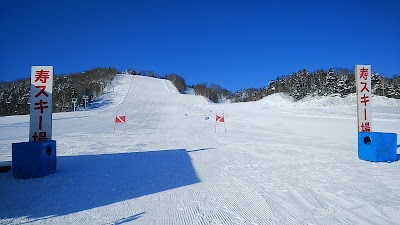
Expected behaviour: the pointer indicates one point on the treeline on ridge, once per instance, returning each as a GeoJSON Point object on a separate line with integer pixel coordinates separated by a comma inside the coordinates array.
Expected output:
{"type": "Point", "coordinates": [339, 81]}
{"type": "Point", "coordinates": [15, 96]}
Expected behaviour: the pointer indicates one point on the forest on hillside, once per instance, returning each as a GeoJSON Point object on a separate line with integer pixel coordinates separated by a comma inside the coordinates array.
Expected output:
{"type": "Point", "coordinates": [305, 83]}
{"type": "Point", "coordinates": [15, 96]}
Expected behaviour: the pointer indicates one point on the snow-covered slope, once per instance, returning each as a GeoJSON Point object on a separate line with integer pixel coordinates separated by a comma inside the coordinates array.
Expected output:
{"type": "Point", "coordinates": [279, 162]}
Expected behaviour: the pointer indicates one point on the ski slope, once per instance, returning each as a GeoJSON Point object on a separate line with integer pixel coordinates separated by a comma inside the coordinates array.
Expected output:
{"type": "Point", "coordinates": [279, 162]}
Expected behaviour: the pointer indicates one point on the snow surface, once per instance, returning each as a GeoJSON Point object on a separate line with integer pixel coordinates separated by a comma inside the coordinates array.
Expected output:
{"type": "Point", "coordinates": [279, 162]}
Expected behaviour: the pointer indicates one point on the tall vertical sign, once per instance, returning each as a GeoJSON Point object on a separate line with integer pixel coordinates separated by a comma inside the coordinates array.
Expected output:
{"type": "Point", "coordinates": [364, 114]}
{"type": "Point", "coordinates": [40, 128]}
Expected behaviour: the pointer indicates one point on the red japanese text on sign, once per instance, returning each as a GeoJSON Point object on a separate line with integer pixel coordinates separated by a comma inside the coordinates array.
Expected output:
{"type": "Point", "coordinates": [365, 127]}
{"type": "Point", "coordinates": [40, 122]}
{"type": "Point", "coordinates": [364, 116]}
{"type": "Point", "coordinates": [365, 113]}
{"type": "Point", "coordinates": [41, 103]}
{"type": "Point", "coordinates": [41, 137]}
{"type": "Point", "coordinates": [42, 91]}
{"type": "Point", "coordinates": [364, 100]}
{"type": "Point", "coordinates": [42, 76]}
{"type": "Point", "coordinates": [364, 73]}
{"type": "Point", "coordinates": [364, 87]}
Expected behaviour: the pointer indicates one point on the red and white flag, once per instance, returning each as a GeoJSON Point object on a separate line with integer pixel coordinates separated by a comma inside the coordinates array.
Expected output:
{"type": "Point", "coordinates": [120, 119]}
{"type": "Point", "coordinates": [220, 119]}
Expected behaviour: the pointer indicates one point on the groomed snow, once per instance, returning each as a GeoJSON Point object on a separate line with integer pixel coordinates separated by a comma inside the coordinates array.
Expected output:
{"type": "Point", "coordinates": [279, 162]}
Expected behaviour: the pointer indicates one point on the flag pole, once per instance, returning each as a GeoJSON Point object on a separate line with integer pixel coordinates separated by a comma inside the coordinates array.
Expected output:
{"type": "Point", "coordinates": [223, 116]}
{"type": "Point", "coordinates": [216, 122]}
{"type": "Point", "coordinates": [125, 124]}
{"type": "Point", "coordinates": [116, 114]}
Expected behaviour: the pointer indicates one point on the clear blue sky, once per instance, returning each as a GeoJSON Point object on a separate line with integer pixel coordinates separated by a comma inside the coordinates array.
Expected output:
{"type": "Point", "coordinates": [236, 44]}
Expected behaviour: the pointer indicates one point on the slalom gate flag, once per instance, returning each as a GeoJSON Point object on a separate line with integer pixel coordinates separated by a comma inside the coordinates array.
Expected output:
{"type": "Point", "coordinates": [220, 119]}
{"type": "Point", "coordinates": [120, 119]}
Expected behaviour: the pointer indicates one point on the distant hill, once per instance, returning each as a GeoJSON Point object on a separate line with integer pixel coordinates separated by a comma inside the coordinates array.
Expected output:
{"type": "Point", "coordinates": [325, 83]}
{"type": "Point", "coordinates": [15, 97]}
{"type": "Point", "coordinates": [305, 84]}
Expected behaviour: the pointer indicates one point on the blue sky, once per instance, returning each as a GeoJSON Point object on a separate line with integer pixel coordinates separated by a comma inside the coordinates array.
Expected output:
{"type": "Point", "coordinates": [236, 44]}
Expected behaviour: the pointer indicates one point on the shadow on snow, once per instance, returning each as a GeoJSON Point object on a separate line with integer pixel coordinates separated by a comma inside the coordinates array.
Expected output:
{"type": "Point", "coordinates": [88, 181]}
{"type": "Point", "coordinates": [398, 155]}
{"type": "Point", "coordinates": [128, 219]}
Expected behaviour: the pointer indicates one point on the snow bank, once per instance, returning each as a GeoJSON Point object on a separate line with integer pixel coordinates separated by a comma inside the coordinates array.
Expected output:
{"type": "Point", "coordinates": [281, 99]}
{"type": "Point", "coordinates": [278, 100]}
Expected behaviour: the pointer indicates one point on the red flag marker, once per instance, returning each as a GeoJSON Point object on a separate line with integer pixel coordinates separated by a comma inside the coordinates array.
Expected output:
{"type": "Point", "coordinates": [220, 119]}
{"type": "Point", "coordinates": [120, 119]}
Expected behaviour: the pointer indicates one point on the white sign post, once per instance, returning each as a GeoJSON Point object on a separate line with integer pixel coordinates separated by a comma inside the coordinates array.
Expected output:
{"type": "Point", "coordinates": [37, 158]}
{"type": "Point", "coordinates": [40, 128]}
{"type": "Point", "coordinates": [363, 83]}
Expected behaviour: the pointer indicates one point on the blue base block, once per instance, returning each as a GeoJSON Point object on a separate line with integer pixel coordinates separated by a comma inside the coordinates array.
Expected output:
{"type": "Point", "coordinates": [377, 146]}
{"type": "Point", "coordinates": [33, 159]}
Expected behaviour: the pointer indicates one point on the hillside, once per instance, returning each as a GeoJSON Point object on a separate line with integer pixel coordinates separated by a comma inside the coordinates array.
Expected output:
{"type": "Point", "coordinates": [14, 96]}
{"type": "Point", "coordinates": [279, 162]}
